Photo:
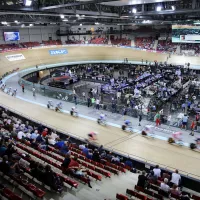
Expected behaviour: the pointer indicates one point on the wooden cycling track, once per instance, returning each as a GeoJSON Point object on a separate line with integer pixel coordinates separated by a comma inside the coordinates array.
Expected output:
{"type": "Point", "coordinates": [146, 149]}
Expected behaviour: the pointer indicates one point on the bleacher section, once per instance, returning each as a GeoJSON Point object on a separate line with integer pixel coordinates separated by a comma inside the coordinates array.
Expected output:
{"type": "Point", "coordinates": [98, 41]}
{"type": "Point", "coordinates": [166, 45]}
{"type": "Point", "coordinates": [30, 44]}
{"type": "Point", "coordinates": [123, 42]}
{"type": "Point", "coordinates": [145, 42]}
{"type": "Point", "coordinates": [8, 47]}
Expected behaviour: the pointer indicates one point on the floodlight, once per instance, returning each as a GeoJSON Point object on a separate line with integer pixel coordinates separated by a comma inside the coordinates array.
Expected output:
{"type": "Point", "coordinates": [158, 8]}
{"type": "Point", "coordinates": [27, 2]}
{"type": "Point", "coordinates": [173, 8]}
{"type": "Point", "coordinates": [134, 10]}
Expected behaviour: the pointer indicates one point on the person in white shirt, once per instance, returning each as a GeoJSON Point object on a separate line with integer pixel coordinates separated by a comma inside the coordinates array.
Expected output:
{"type": "Point", "coordinates": [52, 138]}
{"type": "Point", "coordinates": [157, 171]}
{"type": "Point", "coordinates": [20, 134]}
{"type": "Point", "coordinates": [164, 186]}
{"type": "Point", "coordinates": [97, 104]}
{"type": "Point", "coordinates": [176, 178]}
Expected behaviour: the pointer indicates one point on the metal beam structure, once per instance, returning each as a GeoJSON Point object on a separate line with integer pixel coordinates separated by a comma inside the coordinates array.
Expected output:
{"type": "Point", "coordinates": [75, 4]}
{"type": "Point", "coordinates": [91, 11]}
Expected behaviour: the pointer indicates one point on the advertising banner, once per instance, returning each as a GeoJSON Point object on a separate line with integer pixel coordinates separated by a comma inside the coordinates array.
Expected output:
{"type": "Point", "coordinates": [15, 57]}
{"type": "Point", "coordinates": [58, 52]}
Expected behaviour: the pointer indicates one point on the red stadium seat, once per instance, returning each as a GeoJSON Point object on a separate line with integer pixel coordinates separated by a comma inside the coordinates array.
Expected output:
{"type": "Point", "coordinates": [131, 192]}
{"type": "Point", "coordinates": [195, 197]}
{"type": "Point", "coordinates": [121, 197]}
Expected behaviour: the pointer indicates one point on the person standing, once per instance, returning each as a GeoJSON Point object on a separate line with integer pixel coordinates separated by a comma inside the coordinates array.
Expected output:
{"type": "Point", "coordinates": [192, 128]}
{"type": "Point", "coordinates": [157, 118]}
{"type": "Point", "coordinates": [33, 91]}
{"type": "Point", "coordinates": [140, 119]}
{"type": "Point", "coordinates": [23, 88]}
{"type": "Point", "coordinates": [184, 121]}
{"type": "Point", "coordinates": [142, 180]}
{"type": "Point", "coordinates": [88, 102]}
{"type": "Point", "coordinates": [97, 104]}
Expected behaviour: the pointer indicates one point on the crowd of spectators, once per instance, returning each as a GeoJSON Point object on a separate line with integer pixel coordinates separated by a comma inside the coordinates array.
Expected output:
{"type": "Point", "coordinates": [145, 42]}
{"type": "Point", "coordinates": [168, 184]}
{"type": "Point", "coordinates": [166, 45]}
{"type": "Point", "coordinates": [193, 47]}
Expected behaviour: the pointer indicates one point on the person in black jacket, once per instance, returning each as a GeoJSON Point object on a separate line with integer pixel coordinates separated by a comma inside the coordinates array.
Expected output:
{"type": "Point", "coordinates": [142, 179]}
{"type": "Point", "coordinates": [96, 156]}
{"type": "Point", "coordinates": [66, 161]}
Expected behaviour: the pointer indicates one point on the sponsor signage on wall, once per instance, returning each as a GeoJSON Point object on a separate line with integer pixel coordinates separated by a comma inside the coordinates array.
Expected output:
{"type": "Point", "coordinates": [15, 57]}
{"type": "Point", "coordinates": [58, 52]}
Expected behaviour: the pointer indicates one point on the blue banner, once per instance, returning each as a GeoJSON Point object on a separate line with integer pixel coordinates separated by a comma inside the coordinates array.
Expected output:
{"type": "Point", "coordinates": [58, 52]}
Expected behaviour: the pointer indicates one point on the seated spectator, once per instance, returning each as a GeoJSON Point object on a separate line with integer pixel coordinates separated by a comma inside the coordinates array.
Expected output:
{"type": "Point", "coordinates": [83, 173]}
{"type": "Point", "coordinates": [151, 177]}
{"type": "Point", "coordinates": [59, 144]}
{"type": "Point", "coordinates": [164, 187]}
{"type": "Point", "coordinates": [65, 148]}
{"type": "Point", "coordinates": [96, 156]}
{"type": "Point", "coordinates": [52, 138]}
{"type": "Point", "coordinates": [103, 155]}
{"type": "Point", "coordinates": [176, 178]}
{"type": "Point", "coordinates": [129, 163]}
{"type": "Point", "coordinates": [45, 132]}
{"type": "Point", "coordinates": [40, 139]}
{"type": "Point", "coordinates": [175, 190]}
{"type": "Point", "coordinates": [157, 171]}
{"type": "Point", "coordinates": [115, 159]}
{"type": "Point", "coordinates": [14, 166]}
{"type": "Point", "coordinates": [34, 135]}
{"type": "Point", "coordinates": [10, 149]}
{"type": "Point", "coordinates": [109, 156]}
{"type": "Point", "coordinates": [142, 180]}
{"type": "Point", "coordinates": [20, 135]}
{"type": "Point", "coordinates": [100, 149]}
{"type": "Point", "coordinates": [81, 146]}
{"type": "Point", "coordinates": [89, 155]}
{"type": "Point", "coordinates": [66, 161]}
{"type": "Point", "coordinates": [4, 165]}
{"type": "Point", "coordinates": [85, 150]}
{"type": "Point", "coordinates": [2, 149]}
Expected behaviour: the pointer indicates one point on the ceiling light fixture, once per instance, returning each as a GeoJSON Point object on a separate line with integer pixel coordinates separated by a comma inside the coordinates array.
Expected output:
{"type": "Point", "coordinates": [173, 8]}
{"type": "Point", "coordinates": [158, 8]}
{"type": "Point", "coordinates": [4, 23]}
{"type": "Point", "coordinates": [30, 24]}
{"type": "Point", "coordinates": [28, 2]}
{"type": "Point", "coordinates": [134, 10]}
{"type": "Point", "coordinates": [81, 24]}
{"type": "Point", "coordinates": [65, 20]}
{"type": "Point", "coordinates": [62, 16]}
{"type": "Point", "coordinates": [96, 23]}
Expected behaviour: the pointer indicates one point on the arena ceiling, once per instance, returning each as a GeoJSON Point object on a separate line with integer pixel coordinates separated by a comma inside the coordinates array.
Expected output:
{"type": "Point", "coordinates": [90, 12]}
